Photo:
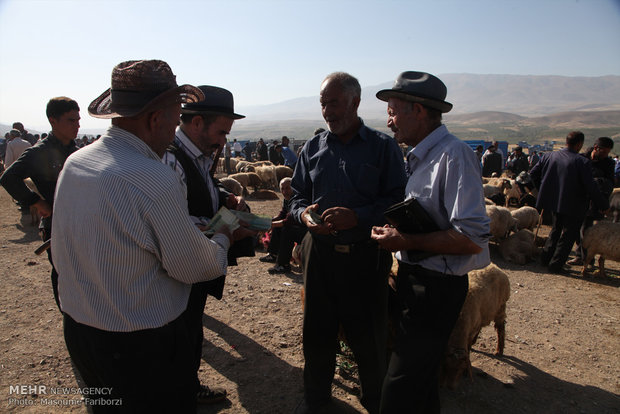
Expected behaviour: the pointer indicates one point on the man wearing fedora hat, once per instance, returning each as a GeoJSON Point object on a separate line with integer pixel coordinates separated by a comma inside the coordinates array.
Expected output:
{"type": "Point", "coordinates": [444, 177]}
{"type": "Point", "coordinates": [202, 133]}
{"type": "Point", "coordinates": [347, 176]}
{"type": "Point", "coordinates": [126, 250]}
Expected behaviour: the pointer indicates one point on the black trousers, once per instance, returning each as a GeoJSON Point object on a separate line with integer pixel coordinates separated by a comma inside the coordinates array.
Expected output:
{"type": "Point", "coordinates": [564, 232]}
{"type": "Point", "coordinates": [429, 304]}
{"type": "Point", "coordinates": [193, 322]}
{"type": "Point", "coordinates": [147, 371]}
{"type": "Point", "coordinates": [46, 234]}
{"type": "Point", "coordinates": [348, 288]}
{"type": "Point", "coordinates": [283, 240]}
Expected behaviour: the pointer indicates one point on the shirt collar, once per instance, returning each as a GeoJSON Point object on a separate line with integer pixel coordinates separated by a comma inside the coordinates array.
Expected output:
{"type": "Point", "coordinates": [132, 140]}
{"type": "Point", "coordinates": [429, 142]}
{"type": "Point", "coordinates": [362, 132]}
{"type": "Point", "coordinates": [186, 143]}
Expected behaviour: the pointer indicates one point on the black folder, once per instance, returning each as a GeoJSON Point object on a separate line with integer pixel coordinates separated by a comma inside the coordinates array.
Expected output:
{"type": "Point", "coordinates": [410, 217]}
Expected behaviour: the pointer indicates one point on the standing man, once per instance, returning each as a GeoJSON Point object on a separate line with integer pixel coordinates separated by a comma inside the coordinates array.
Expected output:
{"type": "Point", "coordinates": [261, 150]}
{"type": "Point", "coordinates": [127, 250]}
{"type": "Point", "coordinates": [289, 156]}
{"type": "Point", "coordinates": [237, 148]}
{"type": "Point", "coordinates": [565, 188]}
{"type": "Point", "coordinates": [517, 162]}
{"type": "Point", "coordinates": [603, 173]}
{"type": "Point", "coordinates": [491, 162]}
{"type": "Point", "coordinates": [42, 164]}
{"type": "Point", "coordinates": [15, 147]}
{"type": "Point", "coordinates": [203, 130]}
{"type": "Point", "coordinates": [348, 176]}
{"type": "Point", "coordinates": [445, 180]}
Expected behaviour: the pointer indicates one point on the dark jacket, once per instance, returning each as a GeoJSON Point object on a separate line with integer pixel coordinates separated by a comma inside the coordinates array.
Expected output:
{"type": "Point", "coordinates": [42, 164]}
{"type": "Point", "coordinates": [565, 184]}
{"type": "Point", "coordinates": [199, 205]}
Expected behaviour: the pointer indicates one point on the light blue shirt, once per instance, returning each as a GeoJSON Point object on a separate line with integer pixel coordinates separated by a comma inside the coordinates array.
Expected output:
{"type": "Point", "coordinates": [290, 159]}
{"type": "Point", "coordinates": [445, 179]}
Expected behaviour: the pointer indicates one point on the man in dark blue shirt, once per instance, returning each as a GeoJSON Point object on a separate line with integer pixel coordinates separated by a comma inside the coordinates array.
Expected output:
{"type": "Point", "coordinates": [344, 180]}
{"type": "Point", "coordinates": [565, 188]}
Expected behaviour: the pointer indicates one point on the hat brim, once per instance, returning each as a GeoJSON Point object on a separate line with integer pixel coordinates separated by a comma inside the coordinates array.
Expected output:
{"type": "Point", "coordinates": [442, 106]}
{"type": "Point", "coordinates": [101, 106]}
{"type": "Point", "coordinates": [230, 115]}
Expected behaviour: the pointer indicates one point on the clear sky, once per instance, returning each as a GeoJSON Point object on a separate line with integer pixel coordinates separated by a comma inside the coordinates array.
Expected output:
{"type": "Point", "coordinates": [268, 51]}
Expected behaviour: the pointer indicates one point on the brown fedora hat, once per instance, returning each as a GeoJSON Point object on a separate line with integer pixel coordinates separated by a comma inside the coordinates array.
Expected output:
{"type": "Point", "coordinates": [217, 101]}
{"type": "Point", "coordinates": [420, 87]}
{"type": "Point", "coordinates": [141, 85]}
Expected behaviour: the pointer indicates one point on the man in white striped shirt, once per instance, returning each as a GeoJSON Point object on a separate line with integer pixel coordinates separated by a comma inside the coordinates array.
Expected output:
{"type": "Point", "coordinates": [126, 250]}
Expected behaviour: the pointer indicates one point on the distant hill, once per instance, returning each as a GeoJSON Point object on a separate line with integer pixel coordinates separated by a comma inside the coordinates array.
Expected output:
{"type": "Point", "coordinates": [511, 107]}
{"type": "Point", "coordinates": [515, 94]}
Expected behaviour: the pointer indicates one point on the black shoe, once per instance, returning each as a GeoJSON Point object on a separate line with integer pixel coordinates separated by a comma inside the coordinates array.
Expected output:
{"type": "Point", "coordinates": [208, 395]}
{"type": "Point", "coordinates": [268, 259]}
{"type": "Point", "coordinates": [278, 269]}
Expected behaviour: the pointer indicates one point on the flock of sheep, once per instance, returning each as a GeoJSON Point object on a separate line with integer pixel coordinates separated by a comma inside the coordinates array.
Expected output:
{"type": "Point", "coordinates": [512, 230]}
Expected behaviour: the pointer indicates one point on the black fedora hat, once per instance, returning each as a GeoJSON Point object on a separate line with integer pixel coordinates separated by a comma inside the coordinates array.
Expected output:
{"type": "Point", "coordinates": [138, 86]}
{"type": "Point", "coordinates": [217, 101]}
{"type": "Point", "coordinates": [420, 87]}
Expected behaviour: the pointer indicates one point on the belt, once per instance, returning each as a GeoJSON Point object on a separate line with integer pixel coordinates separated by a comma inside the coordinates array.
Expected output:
{"type": "Point", "coordinates": [350, 247]}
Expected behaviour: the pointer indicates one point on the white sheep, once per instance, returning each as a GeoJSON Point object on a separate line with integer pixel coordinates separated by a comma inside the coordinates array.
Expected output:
{"type": "Point", "coordinates": [267, 174]}
{"type": "Point", "coordinates": [603, 238]}
{"type": "Point", "coordinates": [491, 189]}
{"type": "Point", "coordinates": [283, 171]}
{"type": "Point", "coordinates": [502, 222]}
{"type": "Point", "coordinates": [489, 290]}
{"type": "Point", "coordinates": [233, 186]}
{"type": "Point", "coordinates": [527, 217]}
{"type": "Point", "coordinates": [519, 247]}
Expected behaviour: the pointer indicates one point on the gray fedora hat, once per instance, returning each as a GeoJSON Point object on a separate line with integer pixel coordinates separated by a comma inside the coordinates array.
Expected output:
{"type": "Point", "coordinates": [138, 86]}
{"type": "Point", "coordinates": [217, 101]}
{"type": "Point", "coordinates": [420, 87]}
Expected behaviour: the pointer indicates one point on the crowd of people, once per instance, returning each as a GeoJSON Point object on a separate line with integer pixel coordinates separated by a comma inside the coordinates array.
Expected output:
{"type": "Point", "coordinates": [132, 285]}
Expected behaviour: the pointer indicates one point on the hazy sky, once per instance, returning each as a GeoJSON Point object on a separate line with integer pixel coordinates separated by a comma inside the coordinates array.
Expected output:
{"type": "Point", "coordinates": [271, 51]}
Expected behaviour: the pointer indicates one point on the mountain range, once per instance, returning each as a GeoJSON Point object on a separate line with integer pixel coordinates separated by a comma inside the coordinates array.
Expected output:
{"type": "Point", "coordinates": [511, 107]}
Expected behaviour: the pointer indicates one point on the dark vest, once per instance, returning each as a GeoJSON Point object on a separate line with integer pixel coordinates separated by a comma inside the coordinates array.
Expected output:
{"type": "Point", "coordinates": [199, 202]}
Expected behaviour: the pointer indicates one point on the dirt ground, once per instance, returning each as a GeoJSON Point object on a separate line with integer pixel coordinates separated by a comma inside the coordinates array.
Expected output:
{"type": "Point", "coordinates": [562, 350]}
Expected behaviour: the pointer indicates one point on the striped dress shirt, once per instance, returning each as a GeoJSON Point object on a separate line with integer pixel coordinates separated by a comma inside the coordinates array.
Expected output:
{"type": "Point", "coordinates": [124, 246]}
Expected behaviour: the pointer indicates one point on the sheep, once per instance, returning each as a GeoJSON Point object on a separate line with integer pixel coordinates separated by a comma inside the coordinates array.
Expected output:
{"type": "Point", "coordinates": [489, 202]}
{"type": "Point", "coordinates": [267, 175]}
{"type": "Point", "coordinates": [263, 195]}
{"type": "Point", "coordinates": [512, 194]}
{"type": "Point", "coordinates": [489, 290]}
{"type": "Point", "coordinates": [502, 222]}
{"type": "Point", "coordinates": [492, 189]}
{"type": "Point", "coordinates": [283, 171]}
{"type": "Point", "coordinates": [614, 204]}
{"type": "Point", "coordinates": [247, 179]}
{"type": "Point", "coordinates": [527, 217]}
{"type": "Point", "coordinates": [519, 248]}
{"type": "Point", "coordinates": [233, 186]}
{"type": "Point", "coordinates": [603, 238]}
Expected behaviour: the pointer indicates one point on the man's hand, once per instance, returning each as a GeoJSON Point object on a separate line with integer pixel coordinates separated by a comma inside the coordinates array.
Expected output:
{"type": "Point", "coordinates": [43, 208]}
{"type": "Point", "coordinates": [339, 218]}
{"type": "Point", "coordinates": [389, 238]}
{"type": "Point", "coordinates": [234, 202]}
{"type": "Point", "coordinates": [317, 228]}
